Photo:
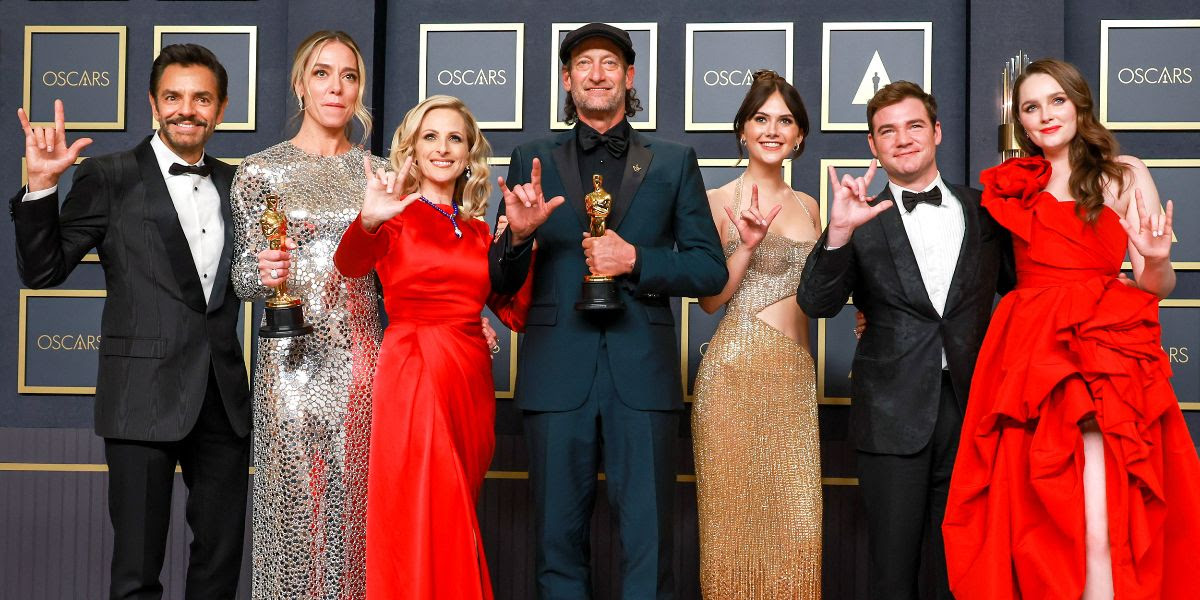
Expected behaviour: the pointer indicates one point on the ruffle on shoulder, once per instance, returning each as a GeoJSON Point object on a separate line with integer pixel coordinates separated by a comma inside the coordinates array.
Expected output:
{"type": "Point", "coordinates": [1011, 189]}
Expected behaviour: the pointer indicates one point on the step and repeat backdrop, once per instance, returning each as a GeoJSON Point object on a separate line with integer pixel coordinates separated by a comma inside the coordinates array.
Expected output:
{"type": "Point", "coordinates": [694, 64]}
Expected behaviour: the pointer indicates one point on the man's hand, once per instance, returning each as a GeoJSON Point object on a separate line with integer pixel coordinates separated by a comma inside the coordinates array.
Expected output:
{"type": "Point", "coordinates": [608, 255]}
{"type": "Point", "coordinates": [47, 155]}
{"type": "Point", "coordinates": [525, 205]}
{"type": "Point", "coordinates": [851, 206]}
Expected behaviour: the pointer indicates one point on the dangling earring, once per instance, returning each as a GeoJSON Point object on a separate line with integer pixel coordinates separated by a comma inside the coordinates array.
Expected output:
{"type": "Point", "coordinates": [796, 148]}
{"type": "Point", "coordinates": [300, 102]}
{"type": "Point", "coordinates": [467, 172]}
{"type": "Point", "coordinates": [743, 140]}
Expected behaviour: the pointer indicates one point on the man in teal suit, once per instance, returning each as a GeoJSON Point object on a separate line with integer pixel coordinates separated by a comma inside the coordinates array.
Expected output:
{"type": "Point", "coordinates": [602, 387]}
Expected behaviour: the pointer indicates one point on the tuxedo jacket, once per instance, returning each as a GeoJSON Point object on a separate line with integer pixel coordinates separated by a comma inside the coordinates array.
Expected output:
{"type": "Point", "coordinates": [897, 370]}
{"type": "Point", "coordinates": [159, 336]}
{"type": "Point", "coordinates": [661, 208]}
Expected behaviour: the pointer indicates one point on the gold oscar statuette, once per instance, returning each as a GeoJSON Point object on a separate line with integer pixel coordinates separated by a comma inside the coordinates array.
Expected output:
{"type": "Point", "coordinates": [599, 291]}
{"type": "Point", "coordinates": [283, 313]}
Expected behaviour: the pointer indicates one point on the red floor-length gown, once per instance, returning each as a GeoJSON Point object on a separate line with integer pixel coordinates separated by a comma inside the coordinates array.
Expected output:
{"type": "Point", "coordinates": [1069, 343]}
{"type": "Point", "coordinates": [432, 432]}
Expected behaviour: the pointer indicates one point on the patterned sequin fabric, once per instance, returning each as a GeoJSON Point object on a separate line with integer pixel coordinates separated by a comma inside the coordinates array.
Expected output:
{"type": "Point", "coordinates": [754, 428]}
{"type": "Point", "coordinates": [312, 394]}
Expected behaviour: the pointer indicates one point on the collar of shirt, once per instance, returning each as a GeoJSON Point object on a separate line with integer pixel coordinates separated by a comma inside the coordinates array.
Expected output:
{"type": "Point", "coordinates": [948, 198]}
{"type": "Point", "coordinates": [166, 157]}
{"type": "Point", "coordinates": [621, 129]}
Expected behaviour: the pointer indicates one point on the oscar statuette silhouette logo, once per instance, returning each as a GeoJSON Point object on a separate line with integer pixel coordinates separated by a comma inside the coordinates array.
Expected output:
{"type": "Point", "coordinates": [599, 291]}
{"type": "Point", "coordinates": [284, 313]}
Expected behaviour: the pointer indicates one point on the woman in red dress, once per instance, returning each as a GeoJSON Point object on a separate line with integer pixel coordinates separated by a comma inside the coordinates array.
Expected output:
{"type": "Point", "coordinates": [421, 228]}
{"type": "Point", "coordinates": [1076, 475]}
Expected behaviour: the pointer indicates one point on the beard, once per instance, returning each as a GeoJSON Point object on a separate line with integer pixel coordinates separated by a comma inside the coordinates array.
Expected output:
{"type": "Point", "coordinates": [195, 140]}
{"type": "Point", "coordinates": [591, 105]}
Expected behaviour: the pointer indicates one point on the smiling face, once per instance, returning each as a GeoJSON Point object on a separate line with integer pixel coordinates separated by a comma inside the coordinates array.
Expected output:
{"type": "Point", "coordinates": [441, 148]}
{"type": "Point", "coordinates": [597, 79]}
{"type": "Point", "coordinates": [1046, 112]}
{"type": "Point", "coordinates": [329, 86]}
{"type": "Point", "coordinates": [771, 133]}
{"type": "Point", "coordinates": [186, 108]}
{"type": "Point", "coordinates": [905, 142]}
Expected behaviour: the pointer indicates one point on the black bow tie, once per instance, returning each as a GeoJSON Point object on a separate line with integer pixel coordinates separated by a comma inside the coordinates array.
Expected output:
{"type": "Point", "coordinates": [911, 200]}
{"type": "Point", "coordinates": [201, 170]}
{"type": "Point", "coordinates": [614, 143]}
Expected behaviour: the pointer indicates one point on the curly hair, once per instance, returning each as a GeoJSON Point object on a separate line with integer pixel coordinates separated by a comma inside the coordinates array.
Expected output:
{"type": "Point", "coordinates": [471, 193]}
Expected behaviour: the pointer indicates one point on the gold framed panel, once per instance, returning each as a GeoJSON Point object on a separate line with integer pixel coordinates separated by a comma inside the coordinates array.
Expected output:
{"type": "Point", "coordinates": [519, 80]}
{"type": "Point", "coordinates": [1183, 303]}
{"type": "Point", "coordinates": [652, 73]}
{"type": "Point", "coordinates": [512, 335]}
{"type": "Point", "coordinates": [251, 62]}
{"type": "Point", "coordinates": [25, 294]}
{"type": "Point", "coordinates": [1158, 163]}
{"type": "Point", "coordinates": [122, 45]}
{"type": "Point", "coordinates": [90, 257]}
{"type": "Point", "coordinates": [739, 162]}
{"type": "Point", "coordinates": [827, 28]}
{"type": "Point", "coordinates": [1106, 25]}
{"type": "Point", "coordinates": [689, 124]}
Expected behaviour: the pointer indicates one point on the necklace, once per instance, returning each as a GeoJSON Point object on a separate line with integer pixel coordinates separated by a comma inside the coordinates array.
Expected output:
{"type": "Point", "coordinates": [453, 217]}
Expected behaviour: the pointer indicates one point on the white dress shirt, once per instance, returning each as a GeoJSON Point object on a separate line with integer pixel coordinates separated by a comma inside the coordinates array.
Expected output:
{"type": "Point", "coordinates": [198, 206]}
{"type": "Point", "coordinates": [936, 235]}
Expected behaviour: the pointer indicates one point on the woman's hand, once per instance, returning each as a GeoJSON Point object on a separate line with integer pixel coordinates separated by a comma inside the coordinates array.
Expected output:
{"type": "Point", "coordinates": [493, 340]}
{"type": "Point", "coordinates": [752, 226]}
{"type": "Point", "coordinates": [382, 199]}
{"type": "Point", "coordinates": [1150, 234]}
{"type": "Point", "coordinates": [274, 265]}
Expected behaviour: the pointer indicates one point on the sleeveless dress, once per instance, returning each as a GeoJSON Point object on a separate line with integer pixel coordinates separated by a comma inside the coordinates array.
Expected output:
{"type": "Point", "coordinates": [312, 394]}
{"type": "Point", "coordinates": [755, 438]}
{"type": "Point", "coordinates": [432, 433]}
{"type": "Point", "coordinates": [1069, 343]}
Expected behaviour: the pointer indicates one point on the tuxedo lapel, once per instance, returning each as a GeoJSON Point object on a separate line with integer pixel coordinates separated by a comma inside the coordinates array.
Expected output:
{"type": "Point", "coordinates": [902, 255]}
{"type": "Point", "coordinates": [162, 211]}
{"type": "Point", "coordinates": [637, 164]}
{"type": "Point", "coordinates": [968, 254]}
{"type": "Point", "coordinates": [566, 160]}
{"type": "Point", "coordinates": [222, 178]}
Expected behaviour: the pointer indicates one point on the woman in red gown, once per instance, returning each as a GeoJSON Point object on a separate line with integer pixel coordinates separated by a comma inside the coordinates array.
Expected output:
{"type": "Point", "coordinates": [432, 435]}
{"type": "Point", "coordinates": [1076, 475]}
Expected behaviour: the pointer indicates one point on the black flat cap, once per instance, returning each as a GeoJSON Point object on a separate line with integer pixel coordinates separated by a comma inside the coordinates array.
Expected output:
{"type": "Point", "coordinates": [604, 30]}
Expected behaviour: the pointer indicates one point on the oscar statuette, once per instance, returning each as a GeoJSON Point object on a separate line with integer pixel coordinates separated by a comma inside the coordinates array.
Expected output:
{"type": "Point", "coordinates": [284, 313]}
{"type": "Point", "coordinates": [599, 291]}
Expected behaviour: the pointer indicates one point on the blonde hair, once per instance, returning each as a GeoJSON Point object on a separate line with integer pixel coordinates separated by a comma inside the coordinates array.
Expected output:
{"type": "Point", "coordinates": [471, 193]}
{"type": "Point", "coordinates": [307, 52]}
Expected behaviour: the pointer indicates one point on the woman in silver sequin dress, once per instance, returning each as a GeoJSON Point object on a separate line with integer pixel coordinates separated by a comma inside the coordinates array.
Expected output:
{"type": "Point", "coordinates": [754, 422]}
{"type": "Point", "coordinates": [312, 394]}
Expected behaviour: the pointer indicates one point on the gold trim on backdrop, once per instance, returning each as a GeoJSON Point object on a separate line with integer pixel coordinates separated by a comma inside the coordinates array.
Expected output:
{"type": "Point", "coordinates": [22, 388]}
{"type": "Point", "coordinates": [743, 162]}
{"type": "Point", "coordinates": [683, 346]}
{"type": "Point", "coordinates": [90, 257]}
{"type": "Point", "coordinates": [252, 63]}
{"type": "Point", "coordinates": [1158, 163]}
{"type": "Point", "coordinates": [122, 45]}
{"type": "Point", "coordinates": [827, 28]}
{"type": "Point", "coordinates": [689, 65]}
{"type": "Point", "coordinates": [513, 336]}
{"type": "Point", "coordinates": [1182, 303]}
{"type": "Point", "coordinates": [1105, 26]}
{"type": "Point", "coordinates": [650, 99]}
{"type": "Point", "coordinates": [518, 28]}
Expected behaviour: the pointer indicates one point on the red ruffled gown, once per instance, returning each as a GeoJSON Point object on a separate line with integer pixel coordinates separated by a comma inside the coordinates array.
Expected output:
{"type": "Point", "coordinates": [1070, 342]}
{"type": "Point", "coordinates": [432, 432]}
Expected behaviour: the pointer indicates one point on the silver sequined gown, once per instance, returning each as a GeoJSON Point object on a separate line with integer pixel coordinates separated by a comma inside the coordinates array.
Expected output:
{"type": "Point", "coordinates": [312, 394]}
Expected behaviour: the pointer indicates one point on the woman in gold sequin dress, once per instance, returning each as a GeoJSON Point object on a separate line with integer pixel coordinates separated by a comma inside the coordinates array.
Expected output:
{"type": "Point", "coordinates": [312, 394]}
{"type": "Point", "coordinates": [754, 422]}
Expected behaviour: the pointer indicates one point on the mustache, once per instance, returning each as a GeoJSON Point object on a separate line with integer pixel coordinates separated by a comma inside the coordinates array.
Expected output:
{"type": "Point", "coordinates": [192, 120]}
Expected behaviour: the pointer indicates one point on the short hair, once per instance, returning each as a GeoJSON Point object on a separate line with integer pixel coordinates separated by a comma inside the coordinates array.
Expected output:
{"type": "Point", "coordinates": [767, 82]}
{"type": "Point", "coordinates": [187, 55]}
{"type": "Point", "coordinates": [311, 46]}
{"type": "Point", "coordinates": [896, 92]}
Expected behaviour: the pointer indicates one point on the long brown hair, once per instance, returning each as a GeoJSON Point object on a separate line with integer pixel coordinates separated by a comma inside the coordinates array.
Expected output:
{"type": "Point", "coordinates": [1093, 150]}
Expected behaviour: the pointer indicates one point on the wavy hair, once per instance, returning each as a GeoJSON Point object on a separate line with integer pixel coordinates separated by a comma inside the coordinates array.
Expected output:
{"type": "Point", "coordinates": [307, 52]}
{"type": "Point", "coordinates": [471, 193]}
{"type": "Point", "coordinates": [767, 82]}
{"type": "Point", "coordinates": [1093, 150]}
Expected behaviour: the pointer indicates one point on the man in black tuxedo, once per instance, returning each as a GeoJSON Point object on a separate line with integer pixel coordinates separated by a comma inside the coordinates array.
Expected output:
{"type": "Point", "coordinates": [925, 272]}
{"type": "Point", "coordinates": [172, 384]}
{"type": "Point", "coordinates": [603, 385]}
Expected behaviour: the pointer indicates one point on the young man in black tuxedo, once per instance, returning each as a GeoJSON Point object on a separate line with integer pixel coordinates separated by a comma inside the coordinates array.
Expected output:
{"type": "Point", "coordinates": [172, 383]}
{"type": "Point", "coordinates": [595, 385]}
{"type": "Point", "coordinates": [924, 270]}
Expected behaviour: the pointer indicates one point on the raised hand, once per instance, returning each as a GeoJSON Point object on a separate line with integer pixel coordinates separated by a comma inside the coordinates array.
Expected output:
{"type": "Point", "coordinates": [851, 206]}
{"type": "Point", "coordinates": [752, 226]}
{"type": "Point", "coordinates": [526, 206]}
{"type": "Point", "coordinates": [47, 155]}
{"type": "Point", "coordinates": [1150, 234]}
{"type": "Point", "coordinates": [382, 199]}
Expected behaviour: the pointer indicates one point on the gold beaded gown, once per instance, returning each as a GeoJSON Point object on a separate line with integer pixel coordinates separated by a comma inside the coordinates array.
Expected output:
{"type": "Point", "coordinates": [754, 433]}
{"type": "Point", "coordinates": [312, 394]}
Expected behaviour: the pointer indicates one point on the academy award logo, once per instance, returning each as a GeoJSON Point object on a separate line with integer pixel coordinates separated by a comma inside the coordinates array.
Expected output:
{"type": "Point", "coordinates": [860, 58]}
